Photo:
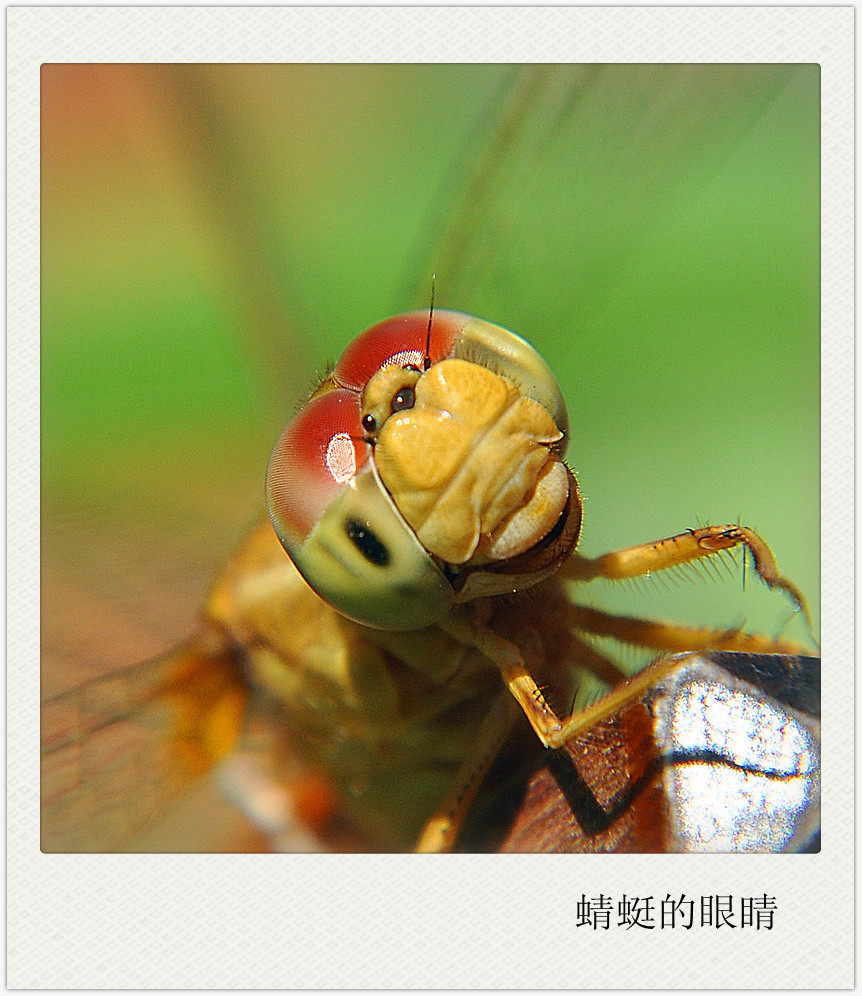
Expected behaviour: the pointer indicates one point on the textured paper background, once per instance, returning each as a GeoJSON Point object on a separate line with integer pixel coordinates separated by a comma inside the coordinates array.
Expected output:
{"type": "Point", "coordinates": [279, 921]}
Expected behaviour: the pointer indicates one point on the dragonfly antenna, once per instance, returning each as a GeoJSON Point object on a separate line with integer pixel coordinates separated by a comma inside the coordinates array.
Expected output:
{"type": "Point", "coordinates": [427, 362]}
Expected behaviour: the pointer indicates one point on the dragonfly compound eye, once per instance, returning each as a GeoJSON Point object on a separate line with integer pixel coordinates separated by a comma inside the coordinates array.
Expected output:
{"type": "Point", "coordinates": [398, 490]}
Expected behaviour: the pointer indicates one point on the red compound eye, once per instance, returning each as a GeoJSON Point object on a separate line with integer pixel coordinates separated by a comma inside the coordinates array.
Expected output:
{"type": "Point", "coordinates": [318, 454]}
{"type": "Point", "coordinates": [401, 341]}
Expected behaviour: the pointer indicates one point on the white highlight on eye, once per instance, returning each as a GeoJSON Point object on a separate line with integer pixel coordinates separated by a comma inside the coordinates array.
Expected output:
{"type": "Point", "coordinates": [341, 457]}
{"type": "Point", "coordinates": [406, 358]}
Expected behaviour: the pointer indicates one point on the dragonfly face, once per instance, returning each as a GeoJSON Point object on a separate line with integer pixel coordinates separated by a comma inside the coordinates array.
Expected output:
{"type": "Point", "coordinates": [463, 280]}
{"type": "Point", "coordinates": [418, 473]}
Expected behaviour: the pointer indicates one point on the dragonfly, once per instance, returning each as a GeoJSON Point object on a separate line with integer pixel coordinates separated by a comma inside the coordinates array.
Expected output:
{"type": "Point", "coordinates": [537, 105]}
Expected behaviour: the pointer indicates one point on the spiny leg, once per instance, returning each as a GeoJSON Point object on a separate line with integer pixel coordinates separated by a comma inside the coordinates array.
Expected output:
{"type": "Point", "coordinates": [676, 638]}
{"type": "Point", "coordinates": [442, 829]}
{"type": "Point", "coordinates": [694, 544]}
{"type": "Point", "coordinates": [510, 662]}
{"type": "Point", "coordinates": [657, 636]}
{"type": "Point", "coordinates": [554, 731]}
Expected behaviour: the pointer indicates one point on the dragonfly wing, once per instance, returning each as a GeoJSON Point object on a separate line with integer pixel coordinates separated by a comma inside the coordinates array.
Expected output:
{"type": "Point", "coordinates": [578, 170]}
{"type": "Point", "coordinates": [117, 751]}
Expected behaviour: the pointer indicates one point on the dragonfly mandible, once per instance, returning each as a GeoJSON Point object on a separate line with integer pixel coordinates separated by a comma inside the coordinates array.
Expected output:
{"type": "Point", "coordinates": [490, 247]}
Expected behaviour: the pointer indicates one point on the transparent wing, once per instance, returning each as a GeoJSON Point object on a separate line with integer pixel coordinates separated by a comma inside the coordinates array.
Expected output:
{"type": "Point", "coordinates": [581, 167]}
{"type": "Point", "coordinates": [119, 749]}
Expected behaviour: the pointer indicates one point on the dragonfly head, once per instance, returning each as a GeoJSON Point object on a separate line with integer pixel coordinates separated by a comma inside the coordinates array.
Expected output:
{"type": "Point", "coordinates": [426, 470]}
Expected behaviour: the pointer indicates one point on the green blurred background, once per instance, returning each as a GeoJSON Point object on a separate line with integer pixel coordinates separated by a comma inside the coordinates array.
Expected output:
{"type": "Point", "coordinates": [213, 235]}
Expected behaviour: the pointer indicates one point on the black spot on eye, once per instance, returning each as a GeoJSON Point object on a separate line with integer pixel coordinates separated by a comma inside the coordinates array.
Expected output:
{"type": "Point", "coordinates": [405, 398]}
{"type": "Point", "coordinates": [367, 542]}
{"type": "Point", "coordinates": [369, 423]}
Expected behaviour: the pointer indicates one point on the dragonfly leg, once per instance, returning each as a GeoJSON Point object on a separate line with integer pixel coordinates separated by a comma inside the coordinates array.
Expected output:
{"type": "Point", "coordinates": [694, 544]}
{"type": "Point", "coordinates": [442, 829]}
{"type": "Point", "coordinates": [510, 662]}
{"type": "Point", "coordinates": [677, 638]}
{"type": "Point", "coordinates": [658, 636]}
{"type": "Point", "coordinates": [554, 731]}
